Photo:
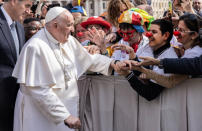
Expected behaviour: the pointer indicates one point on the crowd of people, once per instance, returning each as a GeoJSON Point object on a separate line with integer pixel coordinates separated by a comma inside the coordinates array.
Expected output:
{"type": "Point", "coordinates": [46, 46]}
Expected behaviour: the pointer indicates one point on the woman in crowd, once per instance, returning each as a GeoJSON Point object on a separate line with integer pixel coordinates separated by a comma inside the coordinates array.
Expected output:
{"type": "Point", "coordinates": [116, 8]}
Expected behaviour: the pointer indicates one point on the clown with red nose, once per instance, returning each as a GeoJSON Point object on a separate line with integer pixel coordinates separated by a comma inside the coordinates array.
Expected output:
{"type": "Point", "coordinates": [131, 30]}
{"type": "Point", "coordinates": [96, 30]}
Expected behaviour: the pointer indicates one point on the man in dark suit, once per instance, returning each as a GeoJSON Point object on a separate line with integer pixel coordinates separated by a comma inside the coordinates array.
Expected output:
{"type": "Point", "coordinates": [12, 40]}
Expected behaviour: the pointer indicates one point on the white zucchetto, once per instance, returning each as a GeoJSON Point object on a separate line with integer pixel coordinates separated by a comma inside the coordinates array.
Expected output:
{"type": "Point", "coordinates": [53, 13]}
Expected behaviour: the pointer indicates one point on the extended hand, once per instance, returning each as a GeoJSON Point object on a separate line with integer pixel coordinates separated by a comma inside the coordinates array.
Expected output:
{"type": "Point", "coordinates": [93, 49]}
{"type": "Point", "coordinates": [110, 38]}
{"type": "Point", "coordinates": [73, 122]}
{"type": "Point", "coordinates": [125, 48]}
{"type": "Point", "coordinates": [135, 66]}
{"type": "Point", "coordinates": [148, 61]}
{"type": "Point", "coordinates": [96, 36]}
{"type": "Point", "coordinates": [123, 68]}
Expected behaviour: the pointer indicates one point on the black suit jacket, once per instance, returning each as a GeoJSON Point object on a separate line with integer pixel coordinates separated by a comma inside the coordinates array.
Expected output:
{"type": "Point", "coordinates": [8, 58]}
{"type": "Point", "coordinates": [191, 66]}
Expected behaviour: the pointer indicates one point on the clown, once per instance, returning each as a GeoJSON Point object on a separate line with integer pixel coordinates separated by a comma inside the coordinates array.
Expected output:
{"type": "Point", "coordinates": [131, 30]}
{"type": "Point", "coordinates": [97, 28]}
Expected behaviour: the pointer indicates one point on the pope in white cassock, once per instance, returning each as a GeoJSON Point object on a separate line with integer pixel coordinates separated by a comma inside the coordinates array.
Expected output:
{"type": "Point", "coordinates": [47, 70]}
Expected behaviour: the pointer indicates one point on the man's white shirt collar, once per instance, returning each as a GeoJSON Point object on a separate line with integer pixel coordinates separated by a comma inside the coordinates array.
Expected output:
{"type": "Point", "coordinates": [8, 18]}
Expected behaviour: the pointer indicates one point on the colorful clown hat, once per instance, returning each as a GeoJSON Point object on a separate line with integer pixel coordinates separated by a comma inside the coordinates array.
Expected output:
{"type": "Point", "coordinates": [79, 9]}
{"type": "Point", "coordinates": [146, 17]}
{"type": "Point", "coordinates": [96, 20]}
{"type": "Point", "coordinates": [134, 18]}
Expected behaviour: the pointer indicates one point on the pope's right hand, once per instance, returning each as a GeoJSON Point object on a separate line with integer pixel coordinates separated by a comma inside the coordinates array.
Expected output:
{"type": "Point", "coordinates": [73, 122]}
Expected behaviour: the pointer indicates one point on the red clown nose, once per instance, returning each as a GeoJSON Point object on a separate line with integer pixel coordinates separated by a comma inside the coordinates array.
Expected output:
{"type": "Point", "coordinates": [176, 33]}
{"type": "Point", "coordinates": [149, 34]}
{"type": "Point", "coordinates": [126, 38]}
{"type": "Point", "coordinates": [79, 34]}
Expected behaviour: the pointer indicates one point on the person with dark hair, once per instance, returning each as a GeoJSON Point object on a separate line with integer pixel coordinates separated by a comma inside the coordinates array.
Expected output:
{"type": "Point", "coordinates": [11, 42]}
{"type": "Point", "coordinates": [34, 7]}
{"type": "Point", "coordinates": [159, 42]}
{"type": "Point", "coordinates": [31, 26]}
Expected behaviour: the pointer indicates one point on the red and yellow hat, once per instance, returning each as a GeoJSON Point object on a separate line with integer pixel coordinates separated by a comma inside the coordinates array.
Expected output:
{"type": "Point", "coordinates": [133, 18]}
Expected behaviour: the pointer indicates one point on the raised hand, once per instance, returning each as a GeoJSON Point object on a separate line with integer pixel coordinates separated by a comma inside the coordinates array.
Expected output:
{"type": "Point", "coordinates": [125, 48]}
{"type": "Point", "coordinates": [73, 122]}
{"type": "Point", "coordinates": [93, 49]}
{"type": "Point", "coordinates": [97, 37]}
{"type": "Point", "coordinates": [187, 6]}
{"type": "Point", "coordinates": [110, 38]}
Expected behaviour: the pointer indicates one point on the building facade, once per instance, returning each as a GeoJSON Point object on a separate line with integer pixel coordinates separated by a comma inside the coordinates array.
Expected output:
{"type": "Point", "coordinates": [96, 7]}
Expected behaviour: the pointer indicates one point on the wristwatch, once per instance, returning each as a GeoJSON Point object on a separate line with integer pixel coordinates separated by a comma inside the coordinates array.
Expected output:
{"type": "Point", "coordinates": [161, 64]}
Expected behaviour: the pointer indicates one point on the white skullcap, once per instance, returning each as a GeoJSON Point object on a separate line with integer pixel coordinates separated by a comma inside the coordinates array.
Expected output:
{"type": "Point", "coordinates": [53, 13]}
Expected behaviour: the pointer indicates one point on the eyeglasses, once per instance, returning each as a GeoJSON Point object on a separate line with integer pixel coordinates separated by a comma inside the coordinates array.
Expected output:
{"type": "Point", "coordinates": [184, 31]}
{"type": "Point", "coordinates": [126, 34]}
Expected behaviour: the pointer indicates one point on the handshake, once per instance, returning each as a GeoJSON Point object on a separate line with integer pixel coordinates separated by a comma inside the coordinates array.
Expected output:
{"type": "Point", "coordinates": [124, 67]}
